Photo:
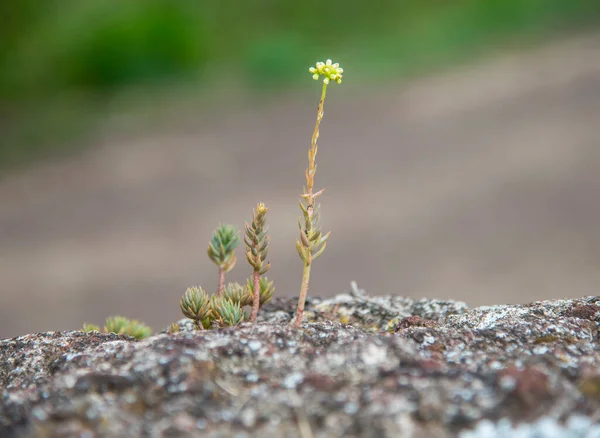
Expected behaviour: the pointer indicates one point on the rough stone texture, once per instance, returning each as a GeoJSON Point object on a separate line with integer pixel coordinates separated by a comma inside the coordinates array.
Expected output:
{"type": "Point", "coordinates": [359, 366]}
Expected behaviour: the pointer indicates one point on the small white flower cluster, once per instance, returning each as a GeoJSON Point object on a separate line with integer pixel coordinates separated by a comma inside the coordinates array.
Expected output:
{"type": "Point", "coordinates": [330, 71]}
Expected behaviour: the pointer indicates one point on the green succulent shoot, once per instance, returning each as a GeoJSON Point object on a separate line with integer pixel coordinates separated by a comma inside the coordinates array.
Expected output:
{"type": "Point", "coordinates": [226, 312]}
{"type": "Point", "coordinates": [266, 289]}
{"type": "Point", "coordinates": [257, 243]}
{"type": "Point", "coordinates": [195, 304]}
{"type": "Point", "coordinates": [122, 325]}
{"type": "Point", "coordinates": [312, 242]}
{"type": "Point", "coordinates": [237, 293]}
{"type": "Point", "coordinates": [221, 250]}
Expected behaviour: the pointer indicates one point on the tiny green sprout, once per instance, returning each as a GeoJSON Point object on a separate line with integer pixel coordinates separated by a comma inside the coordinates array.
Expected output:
{"type": "Point", "coordinates": [90, 328]}
{"type": "Point", "coordinates": [311, 243]}
{"type": "Point", "coordinates": [221, 251]}
{"type": "Point", "coordinates": [122, 325]}
{"type": "Point", "coordinates": [246, 315]}
{"type": "Point", "coordinates": [195, 304]}
{"type": "Point", "coordinates": [226, 311]}
{"type": "Point", "coordinates": [237, 293]}
{"type": "Point", "coordinates": [139, 330]}
{"type": "Point", "coordinates": [174, 328]}
{"type": "Point", "coordinates": [266, 290]}
{"type": "Point", "coordinates": [257, 243]}
{"type": "Point", "coordinates": [207, 322]}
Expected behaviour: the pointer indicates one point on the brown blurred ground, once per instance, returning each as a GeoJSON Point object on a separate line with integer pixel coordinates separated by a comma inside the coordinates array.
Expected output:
{"type": "Point", "coordinates": [481, 184]}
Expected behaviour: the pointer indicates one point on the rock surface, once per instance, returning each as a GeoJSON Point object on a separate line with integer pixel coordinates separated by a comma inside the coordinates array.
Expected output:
{"type": "Point", "coordinates": [359, 366]}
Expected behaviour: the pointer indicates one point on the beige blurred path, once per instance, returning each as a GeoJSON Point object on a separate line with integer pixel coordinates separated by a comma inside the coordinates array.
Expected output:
{"type": "Point", "coordinates": [481, 184]}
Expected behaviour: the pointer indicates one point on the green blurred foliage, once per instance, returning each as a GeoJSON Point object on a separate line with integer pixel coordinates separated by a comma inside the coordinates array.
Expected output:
{"type": "Point", "coordinates": [54, 49]}
{"type": "Point", "coordinates": [97, 45]}
{"type": "Point", "coordinates": [106, 44]}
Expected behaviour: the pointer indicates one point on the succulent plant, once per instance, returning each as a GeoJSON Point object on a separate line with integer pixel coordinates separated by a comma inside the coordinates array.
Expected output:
{"type": "Point", "coordinates": [246, 314]}
{"type": "Point", "coordinates": [116, 324]}
{"type": "Point", "coordinates": [237, 293]}
{"type": "Point", "coordinates": [195, 304]}
{"type": "Point", "coordinates": [125, 326]}
{"type": "Point", "coordinates": [257, 243]}
{"type": "Point", "coordinates": [221, 250]}
{"type": "Point", "coordinates": [226, 312]}
{"type": "Point", "coordinates": [122, 326]}
{"type": "Point", "coordinates": [138, 330]}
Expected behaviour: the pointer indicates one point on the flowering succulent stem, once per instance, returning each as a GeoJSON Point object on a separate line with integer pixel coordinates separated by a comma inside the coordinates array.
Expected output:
{"type": "Point", "coordinates": [312, 242]}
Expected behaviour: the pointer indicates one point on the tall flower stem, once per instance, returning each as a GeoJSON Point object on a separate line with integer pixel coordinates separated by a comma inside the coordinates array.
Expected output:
{"type": "Point", "coordinates": [312, 153]}
{"type": "Point", "coordinates": [310, 201]}
{"type": "Point", "coordinates": [311, 243]}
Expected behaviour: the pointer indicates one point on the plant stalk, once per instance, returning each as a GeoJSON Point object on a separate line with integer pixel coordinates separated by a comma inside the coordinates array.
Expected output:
{"type": "Point", "coordinates": [310, 201]}
{"type": "Point", "coordinates": [256, 302]}
{"type": "Point", "coordinates": [312, 153]}
{"type": "Point", "coordinates": [303, 293]}
{"type": "Point", "coordinates": [221, 281]}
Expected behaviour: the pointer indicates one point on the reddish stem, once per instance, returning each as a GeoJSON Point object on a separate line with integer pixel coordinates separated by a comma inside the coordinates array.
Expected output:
{"type": "Point", "coordinates": [221, 281]}
{"type": "Point", "coordinates": [256, 302]}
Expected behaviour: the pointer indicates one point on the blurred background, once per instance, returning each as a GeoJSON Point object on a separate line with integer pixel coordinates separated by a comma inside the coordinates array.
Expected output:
{"type": "Point", "coordinates": [461, 156]}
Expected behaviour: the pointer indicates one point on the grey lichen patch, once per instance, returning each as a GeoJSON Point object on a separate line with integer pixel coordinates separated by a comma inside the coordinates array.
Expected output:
{"type": "Point", "coordinates": [25, 361]}
{"type": "Point", "coordinates": [576, 426]}
{"type": "Point", "coordinates": [444, 371]}
{"type": "Point", "coordinates": [380, 313]}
